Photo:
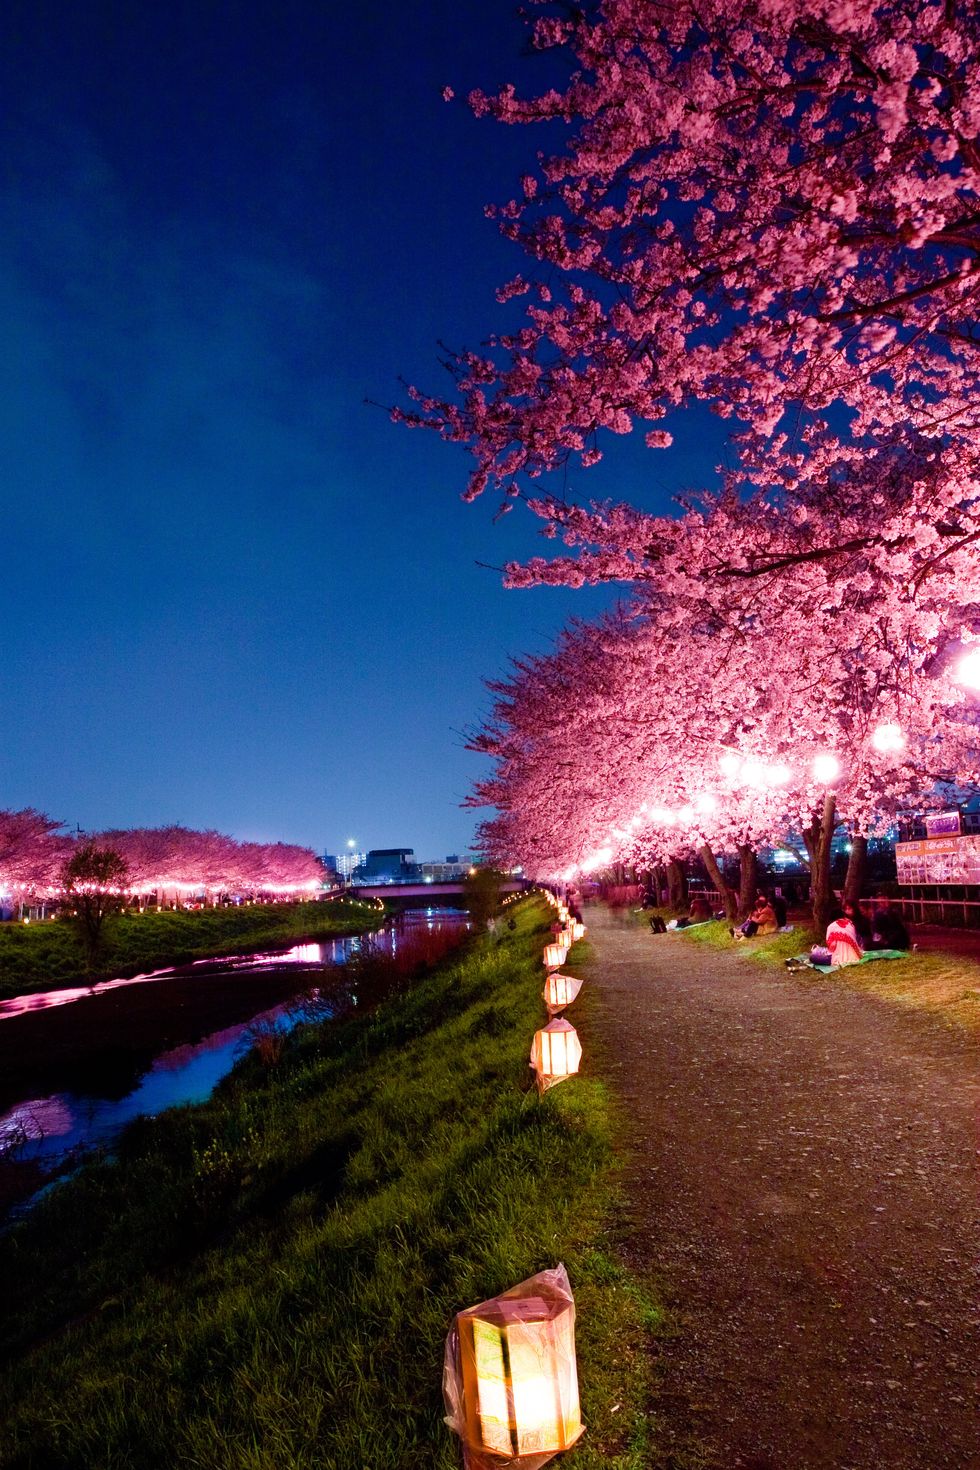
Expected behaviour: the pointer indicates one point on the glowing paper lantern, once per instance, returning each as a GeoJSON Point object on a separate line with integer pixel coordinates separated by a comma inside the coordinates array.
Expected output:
{"type": "Point", "coordinates": [555, 955]}
{"type": "Point", "coordinates": [510, 1381]}
{"type": "Point", "coordinates": [555, 1053]}
{"type": "Point", "coordinates": [559, 992]}
{"type": "Point", "coordinates": [578, 931]}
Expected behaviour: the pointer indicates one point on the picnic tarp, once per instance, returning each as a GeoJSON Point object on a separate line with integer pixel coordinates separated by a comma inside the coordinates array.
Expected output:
{"type": "Point", "coordinates": [866, 958]}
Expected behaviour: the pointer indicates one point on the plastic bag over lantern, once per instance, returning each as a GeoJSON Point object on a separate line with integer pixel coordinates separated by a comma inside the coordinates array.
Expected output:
{"type": "Point", "coordinates": [510, 1382]}
{"type": "Point", "coordinates": [555, 956]}
{"type": "Point", "coordinates": [555, 1053]}
{"type": "Point", "coordinates": [559, 992]}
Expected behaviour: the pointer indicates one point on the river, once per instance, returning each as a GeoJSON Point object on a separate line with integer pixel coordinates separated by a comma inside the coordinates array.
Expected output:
{"type": "Point", "coordinates": [78, 1065]}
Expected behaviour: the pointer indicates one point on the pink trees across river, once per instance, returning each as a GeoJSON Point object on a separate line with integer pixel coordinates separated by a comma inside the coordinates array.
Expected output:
{"type": "Point", "coordinates": [173, 862]}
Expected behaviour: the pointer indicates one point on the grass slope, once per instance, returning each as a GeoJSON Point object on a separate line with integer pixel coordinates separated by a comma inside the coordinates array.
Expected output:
{"type": "Point", "coordinates": [265, 1282]}
{"type": "Point", "coordinates": [47, 956]}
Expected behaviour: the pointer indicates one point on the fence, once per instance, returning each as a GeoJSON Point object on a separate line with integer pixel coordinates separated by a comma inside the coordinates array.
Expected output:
{"type": "Point", "coordinates": [962, 912]}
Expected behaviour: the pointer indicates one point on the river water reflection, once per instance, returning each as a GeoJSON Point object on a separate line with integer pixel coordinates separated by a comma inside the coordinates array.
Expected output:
{"type": "Point", "coordinates": [45, 1129]}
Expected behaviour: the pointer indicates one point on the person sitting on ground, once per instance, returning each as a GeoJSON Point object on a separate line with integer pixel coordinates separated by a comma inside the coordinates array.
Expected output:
{"type": "Point", "coordinates": [843, 943]}
{"type": "Point", "coordinates": [779, 909]}
{"type": "Point", "coordinates": [861, 921]}
{"type": "Point", "coordinates": [888, 929]}
{"type": "Point", "coordinates": [700, 911]}
{"type": "Point", "coordinates": [762, 920]}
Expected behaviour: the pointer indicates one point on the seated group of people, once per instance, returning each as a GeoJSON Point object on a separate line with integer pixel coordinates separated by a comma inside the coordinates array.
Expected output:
{"type": "Point", "coordinates": [852, 932]}
{"type": "Point", "coordinates": [768, 914]}
{"type": "Point", "coordinates": [700, 911]}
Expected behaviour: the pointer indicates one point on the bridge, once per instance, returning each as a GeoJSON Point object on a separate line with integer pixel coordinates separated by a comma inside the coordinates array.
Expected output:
{"type": "Point", "coordinates": [430, 895]}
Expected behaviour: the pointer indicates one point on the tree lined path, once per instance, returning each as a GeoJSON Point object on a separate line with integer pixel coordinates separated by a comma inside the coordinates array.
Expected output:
{"type": "Point", "coordinates": [802, 1177]}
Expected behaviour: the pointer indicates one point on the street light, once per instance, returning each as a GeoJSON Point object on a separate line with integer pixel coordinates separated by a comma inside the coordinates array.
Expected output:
{"type": "Point", "coordinates": [826, 768]}
{"type": "Point", "coordinates": [968, 669]}
{"type": "Point", "coordinates": [888, 738]}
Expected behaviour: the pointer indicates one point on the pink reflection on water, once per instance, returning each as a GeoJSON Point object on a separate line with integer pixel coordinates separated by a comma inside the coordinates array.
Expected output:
{"type": "Point", "coordinates": [299, 954]}
{"type": "Point", "coordinates": [42, 1117]}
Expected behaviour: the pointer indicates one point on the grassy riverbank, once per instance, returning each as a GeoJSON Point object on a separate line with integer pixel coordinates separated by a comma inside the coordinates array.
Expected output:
{"type": "Point", "coordinates": [265, 1282]}
{"type": "Point", "coordinates": [47, 956]}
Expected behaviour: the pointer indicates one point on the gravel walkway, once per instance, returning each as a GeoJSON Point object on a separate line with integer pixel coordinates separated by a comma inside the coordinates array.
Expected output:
{"type": "Point", "coordinates": [803, 1179]}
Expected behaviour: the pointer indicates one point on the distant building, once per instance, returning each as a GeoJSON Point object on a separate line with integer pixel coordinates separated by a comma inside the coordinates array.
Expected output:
{"type": "Point", "coordinates": [387, 865]}
{"type": "Point", "coordinates": [343, 864]}
{"type": "Point", "coordinates": [449, 871]}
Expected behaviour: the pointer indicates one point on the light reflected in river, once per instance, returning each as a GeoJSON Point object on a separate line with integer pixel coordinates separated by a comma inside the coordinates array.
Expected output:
{"type": "Point", "coordinates": [46, 1129]}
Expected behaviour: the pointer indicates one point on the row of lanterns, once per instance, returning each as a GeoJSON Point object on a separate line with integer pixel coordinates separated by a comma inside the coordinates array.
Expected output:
{"type": "Point", "coordinates": [510, 1381]}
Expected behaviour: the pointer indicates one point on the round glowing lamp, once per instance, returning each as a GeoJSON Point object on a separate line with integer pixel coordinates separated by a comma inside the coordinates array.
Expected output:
{"type": "Point", "coordinates": [559, 992]}
{"type": "Point", "coordinates": [968, 669]}
{"type": "Point", "coordinates": [555, 956]}
{"type": "Point", "coordinates": [826, 767]}
{"type": "Point", "coordinates": [888, 738]}
{"type": "Point", "coordinates": [555, 1053]}
{"type": "Point", "coordinates": [510, 1380]}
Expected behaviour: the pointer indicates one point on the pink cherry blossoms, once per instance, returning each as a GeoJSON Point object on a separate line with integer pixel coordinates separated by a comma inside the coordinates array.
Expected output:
{"type": "Point", "coordinates": [771, 207]}
{"type": "Point", "coordinates": [172, 862]}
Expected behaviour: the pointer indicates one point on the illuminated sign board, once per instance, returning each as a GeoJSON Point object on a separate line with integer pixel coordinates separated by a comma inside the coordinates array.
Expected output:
{"type": "Point", "coordinates": [943, 824]}
{"type": "Point", "coordinates": [939, 860]}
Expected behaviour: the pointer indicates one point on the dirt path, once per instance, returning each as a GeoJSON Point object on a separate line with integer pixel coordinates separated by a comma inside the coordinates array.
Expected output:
{"type": "Point", "coordinates": [803, 1177]}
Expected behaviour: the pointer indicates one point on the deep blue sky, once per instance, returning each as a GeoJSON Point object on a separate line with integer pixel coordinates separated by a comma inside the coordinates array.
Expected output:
{"type": "Point", "coordinates": [234, 595]}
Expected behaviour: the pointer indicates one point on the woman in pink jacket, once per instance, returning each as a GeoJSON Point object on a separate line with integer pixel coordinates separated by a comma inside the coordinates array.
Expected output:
{"type": "Point", "coordinates": [843, 943]}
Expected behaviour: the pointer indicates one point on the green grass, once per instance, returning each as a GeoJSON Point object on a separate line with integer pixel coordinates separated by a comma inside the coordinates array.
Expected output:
{"type": "Point", "coordinates": [44, 956]}
{"type": "Point", "coordinates": [946, 986]}
{"type": "Point", "coordinates": [265, 1282]}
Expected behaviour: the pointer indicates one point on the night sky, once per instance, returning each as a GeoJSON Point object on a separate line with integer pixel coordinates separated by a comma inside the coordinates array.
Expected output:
{"type": "Point", "coordinates": [234, 595]}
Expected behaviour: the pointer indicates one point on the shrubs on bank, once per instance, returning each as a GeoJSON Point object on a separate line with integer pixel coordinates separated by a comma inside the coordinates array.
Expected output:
{"type": "Point", "coordinates": [267, 1280]}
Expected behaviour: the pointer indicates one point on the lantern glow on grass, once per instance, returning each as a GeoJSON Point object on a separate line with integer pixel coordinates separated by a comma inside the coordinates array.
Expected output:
{"type": "Point", "coordinates": [555, 1053]}
{"type": "Point", "coordinates": [560, 991]}
{"type": "Point", "coordinates": [510, 1381]}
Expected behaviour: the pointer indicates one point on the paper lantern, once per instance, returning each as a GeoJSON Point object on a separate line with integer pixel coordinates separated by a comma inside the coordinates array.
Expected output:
{"type": "Point", "coordinates": [578, 931]}
{"type": "Point", "coordinates": [555, 1053]}
{"type": "Point", "coordinates": [555, 955]}
{"type": "Point", "coordinates": [510, 1381]}
{"type": "Point", "coordinates": [560, 991]}
{"type": "Point", "coordinates": [565, 937]}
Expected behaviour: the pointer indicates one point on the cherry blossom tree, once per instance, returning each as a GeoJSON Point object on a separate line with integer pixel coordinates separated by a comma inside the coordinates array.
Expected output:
{"type": "Point", "coordinates": [32, 852]}
{"type": "Point", "coordinates": [652, 734]}
{"type": "Point", "coordinates": [179, 860]}
{"type": "Point", "coordinates": [767, 205]}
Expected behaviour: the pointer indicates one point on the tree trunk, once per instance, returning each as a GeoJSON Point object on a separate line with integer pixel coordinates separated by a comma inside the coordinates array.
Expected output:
{"type": "Point", "coordinates": [857, 867]}
{"type": "Point", "coordinates": [822, 833]}
{"type": "Point", "coordinates": [728, 895]}
{"type": "Point", "coordinates": [677, 884]}
{"type": "Point", "coordinates": [747, 885]}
